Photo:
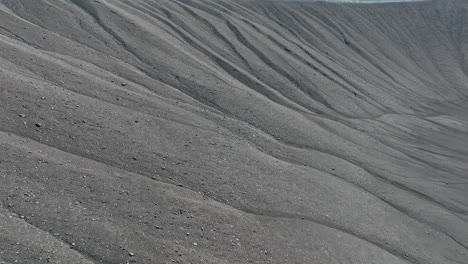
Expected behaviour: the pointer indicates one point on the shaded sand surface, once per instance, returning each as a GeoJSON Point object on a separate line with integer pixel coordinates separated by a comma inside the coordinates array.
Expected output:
{"type": "Point", "coordinates": [223, 131]}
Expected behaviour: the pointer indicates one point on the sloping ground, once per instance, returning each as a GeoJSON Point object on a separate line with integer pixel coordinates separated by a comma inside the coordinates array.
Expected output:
{"type": "Point", "coordinates": [143, 131]}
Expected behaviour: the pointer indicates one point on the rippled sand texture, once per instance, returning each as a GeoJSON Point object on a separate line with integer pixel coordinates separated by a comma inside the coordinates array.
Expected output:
{"type": "Point", "coordinates": [233, 131]}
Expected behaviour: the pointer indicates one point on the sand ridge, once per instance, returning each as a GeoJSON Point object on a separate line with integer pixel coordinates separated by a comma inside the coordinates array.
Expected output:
{"type": "Point", "coordinates": [228, 131]}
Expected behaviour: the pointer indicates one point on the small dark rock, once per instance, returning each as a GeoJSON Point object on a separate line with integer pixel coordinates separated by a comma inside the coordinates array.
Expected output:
{"type": "Point", "coordinates": [123, 84]}
{"type": "Point", "coordinates": [38, 125]}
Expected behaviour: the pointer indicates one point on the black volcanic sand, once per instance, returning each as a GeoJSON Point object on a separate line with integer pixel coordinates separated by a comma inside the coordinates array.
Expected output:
{"type": "Point", "coordinates": [225, 131]}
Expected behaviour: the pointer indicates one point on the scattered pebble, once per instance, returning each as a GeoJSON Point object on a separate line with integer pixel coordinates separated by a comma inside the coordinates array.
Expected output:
{"type": "Point", "coordinates": [38, 125]}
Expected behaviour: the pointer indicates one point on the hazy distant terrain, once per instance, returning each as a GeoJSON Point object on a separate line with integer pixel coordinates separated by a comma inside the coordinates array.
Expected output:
{"type": "Point", "coordinates": [368, 1]}
{"type": "Point", "coordinates": [226, 131]}
{"type": "Point", "coordinates": [365, 1]}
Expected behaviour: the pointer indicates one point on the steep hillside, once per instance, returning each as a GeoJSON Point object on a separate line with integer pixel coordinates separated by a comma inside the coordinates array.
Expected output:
{"type": "Point", "coordinates": [225, 131]}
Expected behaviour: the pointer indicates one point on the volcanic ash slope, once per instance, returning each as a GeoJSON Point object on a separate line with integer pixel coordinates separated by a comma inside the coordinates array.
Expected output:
{"type": "Point", "coordinates": [225, 131]}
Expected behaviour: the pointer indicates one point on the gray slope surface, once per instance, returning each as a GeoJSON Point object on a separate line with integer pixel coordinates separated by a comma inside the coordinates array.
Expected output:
{"type": "Point", "coordinates": [225, 131]}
